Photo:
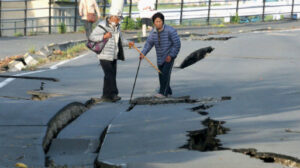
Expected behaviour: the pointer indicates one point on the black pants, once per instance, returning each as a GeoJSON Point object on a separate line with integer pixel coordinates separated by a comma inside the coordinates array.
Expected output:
{"type": "Point", "coordinates": [110, 73]}
{"type": "Point", "coordinates": [88, 28]}
{"type": "Point", "coordinates": [165, 77]}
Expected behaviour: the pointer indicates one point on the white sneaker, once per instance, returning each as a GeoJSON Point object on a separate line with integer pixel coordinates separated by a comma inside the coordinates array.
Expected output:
{"type": "Point", "coordinates": [159, 96]}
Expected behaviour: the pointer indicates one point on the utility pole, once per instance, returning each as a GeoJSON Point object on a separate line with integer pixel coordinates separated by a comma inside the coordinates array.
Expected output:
{"type": "Point", "coordinates": [292, 12]}
{"type": "Point", "coordinates": [264, 6]}
{"type": "Point", "coordinates": [130, 7]}
{"type": "Point", "coordinates": [50, 14]}
{"type": "Point", "coordinates": [181, 10]}
{"type": "Point", "coordinates": [237, 7]}
{"type": "Point", "coordinates": [25, 18]}
{"type": "Point", "coordinates": [208, 14]}
{"type": "Point", "coordinates": [0, 18]}
{"type": "Point", "coordinates": [76, 14]}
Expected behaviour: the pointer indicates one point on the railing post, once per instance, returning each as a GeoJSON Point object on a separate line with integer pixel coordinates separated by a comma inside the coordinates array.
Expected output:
{"type": "Point", "coordinates": [25, 18]}
{"type": "Point", "coordinates": [50, 15]}
{"type": "Point", "coordinates": [156, 4]}
{"type": "Point", "coordinates": [208, 13]}
{"type": "Point", "coordinates": [0, 18]}
{"type": "Point", "coordinates": [130, 8]}
{"type": "Point", "coordinates": [237, 7]}
{"type": "Point", "coordinates": [292, 12]}
{"type": "Point", "coordinates": [263, 14]}
{"type": "Point", "coordinates": [181, 10]}
{"type": "Point", "coordinates": [104, 8]}
{"type": "Point", "coordinates": [76, 14]}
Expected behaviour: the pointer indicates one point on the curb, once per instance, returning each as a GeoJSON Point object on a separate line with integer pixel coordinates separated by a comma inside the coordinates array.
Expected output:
{"type": "Point", "coordinates": [28, 59]}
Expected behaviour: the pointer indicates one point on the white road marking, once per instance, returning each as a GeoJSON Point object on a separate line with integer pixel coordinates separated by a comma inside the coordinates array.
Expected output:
{"type": "Point", "coordinates": [9, 80]}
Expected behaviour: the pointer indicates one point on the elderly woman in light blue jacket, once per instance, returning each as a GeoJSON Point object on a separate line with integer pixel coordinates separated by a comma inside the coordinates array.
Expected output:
{"type": "Point", "coordinates": [113, 51]}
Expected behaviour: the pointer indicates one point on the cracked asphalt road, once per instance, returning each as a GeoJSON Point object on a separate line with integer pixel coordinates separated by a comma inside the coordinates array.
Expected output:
{"type": "Point", "coordinates": [258, 70]}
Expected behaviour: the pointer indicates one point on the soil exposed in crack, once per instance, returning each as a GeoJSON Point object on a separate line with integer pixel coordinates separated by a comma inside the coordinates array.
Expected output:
{"type": "Point", "coordinates": [205, 139]}
{"type": "Point", "coordinates": [271, 157]}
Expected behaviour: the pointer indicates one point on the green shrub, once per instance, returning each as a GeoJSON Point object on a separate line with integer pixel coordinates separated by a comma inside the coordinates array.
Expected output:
{"type": "Point", "coordinates": [18, 34]}
{"type": "Point", "coordinates": [130, 24]}
{"type": "Point", "coordinates": [62, 28]}
{"type": "Point", "coordinates": [138, 23]}
{"type": "Point", "coordinates": [81, 29]}
{"type": "Point", "coordinates": [268, 18]}
{"type": "Point", "coordinates": [235, 19]}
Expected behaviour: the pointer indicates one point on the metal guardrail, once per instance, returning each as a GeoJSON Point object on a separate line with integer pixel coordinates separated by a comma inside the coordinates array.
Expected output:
{"type": "Point", "coordinates": [201, 8]}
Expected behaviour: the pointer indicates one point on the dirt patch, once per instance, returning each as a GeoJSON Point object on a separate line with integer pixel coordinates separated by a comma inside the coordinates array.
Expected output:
{"type": "Point", "coordinates": [40, 96]}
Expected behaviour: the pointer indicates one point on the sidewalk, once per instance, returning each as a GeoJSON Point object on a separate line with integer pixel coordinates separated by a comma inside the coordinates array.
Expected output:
{"type": "Point", "coordinates": [11, 46]}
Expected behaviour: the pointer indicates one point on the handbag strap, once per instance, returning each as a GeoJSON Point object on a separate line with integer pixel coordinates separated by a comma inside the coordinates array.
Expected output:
{"type": "Point", "coordinates": [103, 28]}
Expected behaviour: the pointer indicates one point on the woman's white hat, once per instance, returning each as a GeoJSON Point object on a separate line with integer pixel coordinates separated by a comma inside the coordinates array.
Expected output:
{"type": "Point", "coordinates": [116, 8]}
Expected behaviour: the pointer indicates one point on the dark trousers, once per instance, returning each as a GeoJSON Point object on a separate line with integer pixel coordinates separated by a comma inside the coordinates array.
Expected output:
{"type": "Point", "coordinates": [88, 28]}
{"type": "Point", "coordinates": [165, 77]}
{"type": "Point", "coordinates": [110, 73]}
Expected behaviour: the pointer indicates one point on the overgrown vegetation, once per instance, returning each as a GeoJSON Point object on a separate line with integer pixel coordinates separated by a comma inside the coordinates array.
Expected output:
{"type": "Point", "coordinates": [59, 55]}
{"type": "Point", "coordinates": [62, 28]}
{"type": "Point", "coordinates": [81, 29]}
{"type": "Point", "coordinates": [31, 50]}
{"type": "Point", "coordinates": [235, 19]}
{"type": "Point", "coordinates": [131, 24]}
{"type": "Point", "coordinates": [18, 34]}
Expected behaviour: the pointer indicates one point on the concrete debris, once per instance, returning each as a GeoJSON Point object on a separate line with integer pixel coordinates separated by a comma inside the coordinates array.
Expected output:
{"type": "Point", "coordinates": [15, 66]}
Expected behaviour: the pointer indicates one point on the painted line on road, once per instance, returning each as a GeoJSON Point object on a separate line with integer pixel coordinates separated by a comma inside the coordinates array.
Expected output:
{"type": "Point", "coordinates": [66, 61]}
{"type": "Point", "coordinates": [7, 81]}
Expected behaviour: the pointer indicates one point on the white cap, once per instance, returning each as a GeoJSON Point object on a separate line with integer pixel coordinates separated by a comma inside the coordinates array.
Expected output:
{"type": "Point", "coordinates": [116, 8]}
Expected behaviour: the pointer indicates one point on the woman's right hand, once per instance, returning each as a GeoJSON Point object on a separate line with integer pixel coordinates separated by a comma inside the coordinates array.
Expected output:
{"type": "Point", "coordinates": [107, 35]}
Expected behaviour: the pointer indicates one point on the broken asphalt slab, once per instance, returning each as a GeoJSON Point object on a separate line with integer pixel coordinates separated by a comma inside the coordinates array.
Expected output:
{"type": "Point", "coordinates": [78, 144]}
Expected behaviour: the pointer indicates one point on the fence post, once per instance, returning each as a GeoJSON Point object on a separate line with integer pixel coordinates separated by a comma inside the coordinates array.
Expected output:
{"type": "Point", "coordinates": [49, 28]}
{"type": "Point", "coordinates": [208, 13]}
{"type": "Point", "coordinates": [181, 10]}
{"type": "Point", "coordinates": [130, 7]}
{"type": "Point", "coordinates": [264, 6]}
{"type": "Point", "coordinates": [0, 19]}
{"type": "Point", "coordinates": [156, 3]}
{"type": "Point", "coordinates": [76, 14]}
{"type": "Point", "coordinates": [25, 18]}
{"type": "Point", "coordinates": [292, 12]}
{"type": "Point", "coordinates": [104, 8]}
{"type": "Point", "coordinates": [237, 7]}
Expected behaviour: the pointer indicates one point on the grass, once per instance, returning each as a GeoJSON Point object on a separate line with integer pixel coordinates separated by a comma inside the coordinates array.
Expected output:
{"type": "Point", "coordinates": [32, 50]}
{"type": "Point", "coordinates": [59, 55]}
{"type": "Point", "coordinates": [69, 53]}
{"type": "Point", "coordinates": [18, 34]}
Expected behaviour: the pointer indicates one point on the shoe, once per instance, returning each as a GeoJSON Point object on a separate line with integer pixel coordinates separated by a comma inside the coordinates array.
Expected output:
{"type": "Point", "coordinates": [116, 98]}
{"type": "Point", "coordinates": [159, 96]}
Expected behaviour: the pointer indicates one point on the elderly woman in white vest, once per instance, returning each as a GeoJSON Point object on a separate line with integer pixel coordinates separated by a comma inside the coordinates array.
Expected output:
{"type": "Point", "coordinates": [147, 9]}
{"type": "Point", "coordinates": [113, 50]}
{"type": "Point", "coordinates": [85, 7]}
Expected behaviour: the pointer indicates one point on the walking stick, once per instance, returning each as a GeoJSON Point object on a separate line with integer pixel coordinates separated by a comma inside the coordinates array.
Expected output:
{"type": "Point", "coordinates": [132, 45]}
{"type": "Point", "coordinates": [137, 72]}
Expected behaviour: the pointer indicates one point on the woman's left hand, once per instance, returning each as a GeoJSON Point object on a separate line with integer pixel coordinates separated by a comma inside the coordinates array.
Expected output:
{"type": "Point", "coordinates": [168, 59]}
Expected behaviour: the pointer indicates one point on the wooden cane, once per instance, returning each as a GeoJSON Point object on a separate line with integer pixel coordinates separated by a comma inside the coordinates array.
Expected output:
{"type": "Point", "coordinates": [146, 58]}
